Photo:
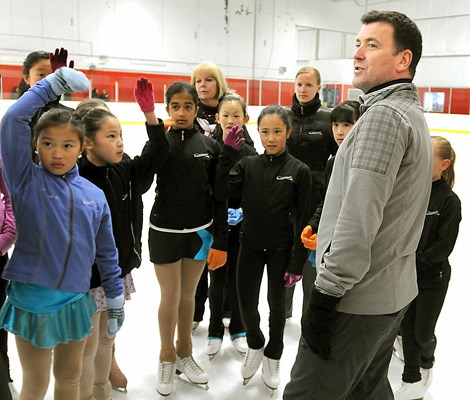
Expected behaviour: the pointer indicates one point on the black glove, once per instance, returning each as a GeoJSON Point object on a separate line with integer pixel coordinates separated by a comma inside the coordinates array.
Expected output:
{"type": "Point", "coordinates": [317, 322]}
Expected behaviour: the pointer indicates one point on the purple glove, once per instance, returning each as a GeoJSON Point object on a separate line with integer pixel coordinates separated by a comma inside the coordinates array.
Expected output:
{"type": "Point", "coordinates": [59, 59]}
{"type": "Point", "coordinates": [233, 138]}
{"type": "Point", "coordinates": [291, 279]}
{"type": "Point", "coordinates": [143, 94]}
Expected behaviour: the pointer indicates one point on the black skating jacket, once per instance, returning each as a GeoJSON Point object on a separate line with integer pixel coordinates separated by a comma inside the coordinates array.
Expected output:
{"type": "Point", "coordinates": [124, 184]}
{"type": "Point", "coordinates": [184, 196]}
{"type": "Point", "coordinates": [439, 235]}
{"type": "Point", "coordinates": [275, 198]}
{"type": "Point", "coordinates": [311, 140]}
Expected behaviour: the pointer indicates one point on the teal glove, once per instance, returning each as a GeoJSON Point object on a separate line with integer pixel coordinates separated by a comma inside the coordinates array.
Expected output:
{"type": "Point", "coordinates": [115, 314]}
{"type": "Point", "coordinates": [65, 80]}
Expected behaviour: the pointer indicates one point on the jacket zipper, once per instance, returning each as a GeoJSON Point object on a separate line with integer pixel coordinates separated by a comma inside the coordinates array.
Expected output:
{"type": "Point", "coordinates": [69, 247]}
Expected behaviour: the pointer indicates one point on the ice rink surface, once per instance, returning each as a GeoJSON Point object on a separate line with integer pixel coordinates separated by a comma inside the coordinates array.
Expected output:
{"type": "Point", "coordinates": [137, 344]}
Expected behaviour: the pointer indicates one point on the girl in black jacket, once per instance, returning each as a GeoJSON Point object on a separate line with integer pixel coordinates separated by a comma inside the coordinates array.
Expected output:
{"type": "Point", "coordinates": [274, 189]}
{"type": "Point", "coordinates": [440, 231]}
{"type": "Point", "coordinates": [187, 228]}
{"type": "Point", "coordinates": [232, 111]}
{"type": "Point", "coordinates": [123, 181]}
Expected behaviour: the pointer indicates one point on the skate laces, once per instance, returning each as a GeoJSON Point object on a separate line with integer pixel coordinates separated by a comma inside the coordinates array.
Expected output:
{"type": "Point", "coordinates": [191, 366]}
{"type": "Point", "coordinates": [166, 372]}
{"type": "Point", "coordinates": [251, 357]}
{"type": "Point", "coordinates": [273, 366]}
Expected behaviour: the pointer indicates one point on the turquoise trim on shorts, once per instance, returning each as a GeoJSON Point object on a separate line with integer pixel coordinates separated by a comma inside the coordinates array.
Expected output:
{"type": "Point", "coordinates": [207, 240]}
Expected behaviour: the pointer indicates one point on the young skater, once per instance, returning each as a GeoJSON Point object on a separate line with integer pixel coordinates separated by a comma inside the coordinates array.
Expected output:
{"type": "Point", "coordinates": [231, 112]}
{"type": "Point", "coordinates": [123, 183]}
{"type": "Point", "coordinates": [187, 228]}
{"type": "Point", "coordinates": [343, 117]}
{"type": "Point", "coordinates": [275, 196]}
{"type": "Point", "coordinates": [7, 239]}
{"type": "Point", "coordinates": [440, 231]}
{"type": "Point", "coordinates": [64, 224]}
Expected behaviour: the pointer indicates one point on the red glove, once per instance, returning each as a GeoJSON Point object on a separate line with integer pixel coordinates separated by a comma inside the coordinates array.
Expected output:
{"type": "Point", "coordinates": [233, 138]}
{"type": "Point", "coordinates": [291, 279]}
{"type": "Point", "coordinates": [309, 240]}
{"type": "Point", "coordinates": [216, 259]}
{"type": "Point", "coordinates": [143, 94]}
{"type": "Point", "coordinates": [58, 59]}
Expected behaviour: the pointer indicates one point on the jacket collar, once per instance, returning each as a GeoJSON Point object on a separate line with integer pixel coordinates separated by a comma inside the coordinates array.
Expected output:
{"type": "Point", "coordinates": [183, 134]}
{"type": "Point", "coordinates": [72, 174]}
{"type": "Point", "coordinates": [308, 108]}
{"type": "Point", "coordinates": [275, 159]}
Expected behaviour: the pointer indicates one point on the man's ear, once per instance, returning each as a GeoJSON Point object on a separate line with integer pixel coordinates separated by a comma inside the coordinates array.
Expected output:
{"type": "Point", "coordinates": [405, 61]}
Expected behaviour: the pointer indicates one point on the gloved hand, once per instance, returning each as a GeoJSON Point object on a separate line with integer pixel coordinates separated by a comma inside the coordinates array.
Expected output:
{"type": "Point", "coordinates": [115, 314]}
{"type": "Point", "coordinates": [143, 94]}
{"type": "Point", "coordinates": [312, 257]}
{"type": "Point", "coordinates": [59, 59]}
{"type": "Point", "coordinates": [168, 123]}
{"type": "Point", "coordinates": [317, 322]}
{"type": "Point", "coordinates": [235, 215]}
{"type": "Point", "coordinates": [309, 240]}
{"type": "Point", "coordinates": [291, 279]}
{"type": "Point", "coordinates": [66, 80]}
{"type": "Point", "coordinates": [233, 138]}
{"type": "Point", "coordinates": [216, 259]}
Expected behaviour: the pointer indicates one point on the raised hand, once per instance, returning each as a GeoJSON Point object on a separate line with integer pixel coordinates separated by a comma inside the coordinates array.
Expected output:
{"type": "Point", "coordinates": [143, 94]}
{"type": "Point", "coordinates": [58, 59]}
{"type": "Point", "coordinates": [234, 139]}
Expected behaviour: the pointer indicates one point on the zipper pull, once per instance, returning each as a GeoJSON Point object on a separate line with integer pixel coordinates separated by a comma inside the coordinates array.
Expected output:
{"type": "Point", "coordinates": [182, 136]}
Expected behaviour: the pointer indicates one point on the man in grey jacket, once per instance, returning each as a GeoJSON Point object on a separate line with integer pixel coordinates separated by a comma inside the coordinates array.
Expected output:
{"type": "Point", "coordinates": [370, 226]}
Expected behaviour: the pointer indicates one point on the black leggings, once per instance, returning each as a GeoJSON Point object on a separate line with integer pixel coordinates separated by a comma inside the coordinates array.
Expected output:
{"type": "Point", "coordinates": [250, 270]}
{"type": "Point", "coordinates": [417, 330]}
{"type": "Point", "coordinates": [223, 280]}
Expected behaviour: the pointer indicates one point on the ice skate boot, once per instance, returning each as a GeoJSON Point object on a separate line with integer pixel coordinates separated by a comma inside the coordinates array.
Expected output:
{"type": "Point", "coordinates": [213, 346]}
{"type": "Point", "coordinates": [194, 374]}
{"type": "Point", "coordinates": [116, 377]}
{"type": "Point", "coordinates": [239, 342]}
{"type": "Point", "coordinates": [166, 377]}
{"type": "Point", "coordinates": [426, 377]}
{"type": "Point", "coordinates": [409, 391]}
{"type": "Point", "coordinates": [271, 374]}
{"type": "Point", "coordinates": [251, 363]}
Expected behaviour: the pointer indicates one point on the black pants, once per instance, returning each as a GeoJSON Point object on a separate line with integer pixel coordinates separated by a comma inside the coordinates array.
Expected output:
{"type": "Point", "coordinates": [417, 330]}
{"type": "Point", "coordinates": [222, 290]}
{"type": "Point", "coordinates": [250, 269]}
{"type": "Point", "coordinates": [361, 349]}
{"type": "Point", "coordinates": [309, 274]}
{"type": "Point", "coordinates": [201, 295]}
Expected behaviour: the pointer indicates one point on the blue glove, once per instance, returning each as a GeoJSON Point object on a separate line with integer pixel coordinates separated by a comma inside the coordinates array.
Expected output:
{"type": "Point", "coordinates": [115, 314]}
{"type": "Point", "coordinates": [235, 215]}
{"type": "Point", "coordinates": [65, 80]}
{"type": "Point", "coordinates": [311, 258]}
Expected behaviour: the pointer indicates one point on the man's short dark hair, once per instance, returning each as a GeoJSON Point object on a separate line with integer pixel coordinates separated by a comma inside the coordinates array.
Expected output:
{"type": "Point", "coordinates": [406, 34]}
